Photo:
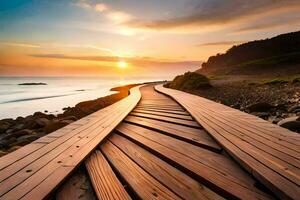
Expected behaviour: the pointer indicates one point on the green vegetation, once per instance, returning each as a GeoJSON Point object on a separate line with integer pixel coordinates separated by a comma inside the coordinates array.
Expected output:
{"type": "Point", "coordinates": [282, 80]}
{"type": "Point", "coordinates": [256, 56]}
{"type": "Point", "coordinates": [275, 81]}
{"type": "Point", "coordinates": [189, 81]}
{"type": "Point", "coordinates": [291, 58]}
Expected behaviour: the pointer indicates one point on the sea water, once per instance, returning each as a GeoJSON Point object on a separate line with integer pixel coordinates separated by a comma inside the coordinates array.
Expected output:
{"type": "Point", "coordinates": [58, 93]}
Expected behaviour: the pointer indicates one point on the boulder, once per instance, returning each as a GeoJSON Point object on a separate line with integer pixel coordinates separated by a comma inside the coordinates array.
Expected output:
{"type": "Point", "coordinates": [291, 123]}
{"type": "Point", "coordinates": [260, 107]}
{"type": "Point", "coordinates": [56, 125]}
{"type": "Point", "coordinates": [26, 139]}
{"type": "Point", "coordinates": [295, 109]}
{"type": "Point", "coordinates": [40, 115]}
{"type": "Point", "coordinates": [23, 132]}
{"type": "Point", "coordinates": [263, 115]}
{"type": "Point", "coordinates": [72, 118]}
{"type": "Point", "coordinates": [20, 119]}
{"type": "Point", "coordinates": [4, 126]}
{"type": "Point", "coordinates": [4, 144]}
{"type": "Point", "coordinates": [42, 122]}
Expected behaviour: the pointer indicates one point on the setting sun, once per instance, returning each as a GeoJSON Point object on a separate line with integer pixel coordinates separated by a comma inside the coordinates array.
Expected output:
{"type": "Point", "coordinates": [122, 64]}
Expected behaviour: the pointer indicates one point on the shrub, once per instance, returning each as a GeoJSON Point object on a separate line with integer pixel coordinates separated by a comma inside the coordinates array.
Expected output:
{"type": "Point", "coordinates": [190, 81]}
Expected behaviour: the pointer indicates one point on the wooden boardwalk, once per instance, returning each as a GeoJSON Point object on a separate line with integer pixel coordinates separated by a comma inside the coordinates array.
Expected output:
{"type": "Point", "coordinates": [160, 149]}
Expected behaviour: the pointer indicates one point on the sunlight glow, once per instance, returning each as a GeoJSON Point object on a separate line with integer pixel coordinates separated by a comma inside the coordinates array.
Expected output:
{"type": "Point", "coordinates": [122, 64]}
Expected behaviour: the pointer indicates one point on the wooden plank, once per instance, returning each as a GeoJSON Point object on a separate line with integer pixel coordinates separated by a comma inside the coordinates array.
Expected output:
{"type": "Point", "coordinates": [231, 183]}
{"type": "Point", "coordinates": [175, 180]}
{"type": "Point", "coordinates": [143, 184]}
{"type": "Point", "coordinates": [31, 172]}
{"type": "Point", "coordinates": [261, 145]}
{"type": "Point", "coordinates": [194, 136]}
{"type": "Point", "coordinates": [165, 111]}
{"type": "Point", "coordinates": [185, 117]}
{"type": "Point", "coordinates": [259, 158]}
{"type": "Point", "coordinates": [41, 191]}
{"type": "Point", "coordinates": [9, 159]}
{"type": "Point", "coordinates": [183, 122]}
{"type": "Point", "coordinates": [105, 182]}
{"type": "Point", "coordinates": [161, 105]}
{"type": "Point", "coordinates": [162, 108]}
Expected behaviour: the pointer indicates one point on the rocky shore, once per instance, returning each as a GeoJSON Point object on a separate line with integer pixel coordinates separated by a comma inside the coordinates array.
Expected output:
{"type": "Point", "coordinates": [277, 102]}
{"type": "Point", "coordinates": [15, 133]}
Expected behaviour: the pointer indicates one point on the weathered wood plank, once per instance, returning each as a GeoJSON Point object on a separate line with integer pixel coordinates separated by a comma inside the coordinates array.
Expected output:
{"type": "Point", "coordinates": [105, 182]}
{"type": "Point", "coordinates": [230, 180]}
{"type": "Point", "coordinates": [142, 183]}
{"type": "Point", "coordinates": [164, 111]}
{"type": "Point", "coordinates": [183, 122]}
{"type": "Point", "coordinates": [255, 146]}
{"type": "Point", "coordinates": [194, 136]}
{"type": "Point", "coordinates": [185, 117]}
{"type": "Point", "coordinates": [177, 181]}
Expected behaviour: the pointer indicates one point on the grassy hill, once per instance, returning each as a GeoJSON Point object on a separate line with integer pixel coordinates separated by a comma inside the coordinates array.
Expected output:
{"type": "Point", "coordinates": [280, 55]}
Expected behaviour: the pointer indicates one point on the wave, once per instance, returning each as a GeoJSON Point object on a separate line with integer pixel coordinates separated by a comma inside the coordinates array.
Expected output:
{"type": "Point", "coordinates": [37, 98]}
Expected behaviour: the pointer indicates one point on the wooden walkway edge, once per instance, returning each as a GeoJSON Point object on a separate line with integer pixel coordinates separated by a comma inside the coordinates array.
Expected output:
{"type": "Point", "coordinates": [34, 171]}
{"type": "Point", "coordinates": [268, 152]}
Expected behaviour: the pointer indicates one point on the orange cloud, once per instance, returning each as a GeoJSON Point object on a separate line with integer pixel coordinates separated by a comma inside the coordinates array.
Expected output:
{"type": "Point", "coordinates": [13, 44]}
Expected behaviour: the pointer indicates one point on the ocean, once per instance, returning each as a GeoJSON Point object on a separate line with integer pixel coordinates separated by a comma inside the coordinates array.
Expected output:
{"type": "Point", "coordinates": [58, 93]}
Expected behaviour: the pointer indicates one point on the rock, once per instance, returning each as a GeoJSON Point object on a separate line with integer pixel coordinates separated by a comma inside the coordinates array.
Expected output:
{"type": "Point", "coordinates": [291, 123]}
{"type": "Point", "coordinates": [295, 108]}
{"type": "Point", "coordinates": [276, 120]}
{"type": "Point", "coordinates": [42, 122]}
{"type": "Point", "coordinates": [27, 138]}
{"type": "Point", "coordinates": [263, 115]}
{"type": "Point", "coordinates": [23, 132]}
{"type": "Point", "coordinates": [20, 119]}
{"type": "Point", "coordinates": [260, 107]}
{"type": "Point", "coordinates": [73, 118]}
{"type": "Point", "coordinates": [40, 115]}
{"type": "Point", "coordinates": [8, 120]}
{"type": "Point", "coordinates": [4, 126]}
{"type": "Point", "coordinates": [4, 144]}
{"type": "Point", "coordinates": [56, 125]}
{"type": "Point", "coordinates": [46, 111]}
{"type": "Point", "coordinates": [34, 123]}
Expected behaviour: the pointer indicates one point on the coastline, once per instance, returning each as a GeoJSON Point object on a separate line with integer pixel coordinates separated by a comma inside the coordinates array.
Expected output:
{"type": "Point", "coordinates": [15, 133]}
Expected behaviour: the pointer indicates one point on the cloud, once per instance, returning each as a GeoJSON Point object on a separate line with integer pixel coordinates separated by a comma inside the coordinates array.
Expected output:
{"type": "Point", "coordinates": [116, 16]}
{"type": "Point", "coordinates": [214, 12]}
{"type": "Point", "coordinates": [138, 61]}
{"type": "Point", "coordinates": [119, 16]}
{"type": "Point", "coordinates": [12, 44]}
{"type": "Point", "coordinates": [101, 7]}
{"type": "Point", "coordinates": [269, 25]}
{"type": "Point", "coordinates": [82, 4]}
{"type": "Point", "coordinates": [222, 43]}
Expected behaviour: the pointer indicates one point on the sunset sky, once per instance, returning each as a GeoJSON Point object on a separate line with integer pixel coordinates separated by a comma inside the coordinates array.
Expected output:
{"type": "Point", "coordinates": [154, 37]}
